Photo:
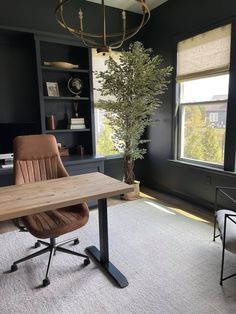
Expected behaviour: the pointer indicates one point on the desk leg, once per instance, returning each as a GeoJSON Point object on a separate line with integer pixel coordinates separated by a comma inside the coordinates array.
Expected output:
{"type": "Point", "coordinates": [102, 256]}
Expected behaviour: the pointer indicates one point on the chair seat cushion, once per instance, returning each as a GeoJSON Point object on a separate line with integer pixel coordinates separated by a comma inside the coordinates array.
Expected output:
{"type": "Point", "coordinates": [230, 238]}
{"type": "Point", "coordinates": [52, 224]}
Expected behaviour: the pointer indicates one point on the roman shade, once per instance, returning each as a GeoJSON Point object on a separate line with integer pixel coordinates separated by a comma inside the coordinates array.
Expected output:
{"type": "Point", "coordinates": [205, 54]}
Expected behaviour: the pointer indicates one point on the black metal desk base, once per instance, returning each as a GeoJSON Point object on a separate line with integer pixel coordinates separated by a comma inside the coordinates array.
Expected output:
{"type": "Point", "coordinates": [108, 267]}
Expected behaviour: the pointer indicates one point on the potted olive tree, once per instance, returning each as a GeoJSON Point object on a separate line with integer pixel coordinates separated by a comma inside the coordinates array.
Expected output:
{"type": "Point", "coordinates": [135, 81]}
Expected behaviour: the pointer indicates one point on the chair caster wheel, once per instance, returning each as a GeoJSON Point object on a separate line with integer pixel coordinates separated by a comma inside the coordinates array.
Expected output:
{"type": "Point", "coordinates": [86, 262]}
{"type": "Point", "coordinates": [14, 267]}
{"type": "Point", "coordinates": [37, 244]}
{"type": "Point", "coordinates": [76, 241]}
{"type": "Point", "coordinates": [46, 282]}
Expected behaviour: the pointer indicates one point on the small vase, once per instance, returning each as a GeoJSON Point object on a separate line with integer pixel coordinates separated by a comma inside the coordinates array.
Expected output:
{"type": "Point", "coordinates": [51, 123]}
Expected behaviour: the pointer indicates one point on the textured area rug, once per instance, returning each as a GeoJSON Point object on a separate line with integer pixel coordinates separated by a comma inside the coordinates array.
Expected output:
{"type": "Point", "coordinates": [169, 259]}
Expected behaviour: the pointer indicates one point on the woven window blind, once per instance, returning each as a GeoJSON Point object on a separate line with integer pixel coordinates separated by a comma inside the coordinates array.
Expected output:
{"type": "Point", "coordinates": [205, 54]}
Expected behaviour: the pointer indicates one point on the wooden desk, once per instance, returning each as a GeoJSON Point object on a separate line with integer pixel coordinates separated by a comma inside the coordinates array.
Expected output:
{"type": "Point", "coordinates": [21, 200]}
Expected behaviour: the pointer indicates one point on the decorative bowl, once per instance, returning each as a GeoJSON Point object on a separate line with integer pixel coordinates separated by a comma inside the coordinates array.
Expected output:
{"type": "Point", "coordinates": [60, 64]}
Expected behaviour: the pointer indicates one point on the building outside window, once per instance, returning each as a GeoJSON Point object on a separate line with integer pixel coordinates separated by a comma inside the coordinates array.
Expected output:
{"type": "Point", "coordinates": [214, 116]}
{"type": "Point", "coordinates": [202, 89]}
{"type": "Point", "coordinates": [103, 132]}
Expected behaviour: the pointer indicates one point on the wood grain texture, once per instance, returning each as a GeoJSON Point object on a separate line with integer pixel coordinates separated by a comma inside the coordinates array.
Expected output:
{"type": "Point", "coordinates": [21, 200]}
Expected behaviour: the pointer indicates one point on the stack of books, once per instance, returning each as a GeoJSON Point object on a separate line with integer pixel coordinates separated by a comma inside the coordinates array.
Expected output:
{"type": "Point", "coordinates": [76, 123]}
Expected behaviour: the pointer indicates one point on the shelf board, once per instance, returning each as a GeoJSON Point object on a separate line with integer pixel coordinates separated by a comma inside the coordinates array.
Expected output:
{"type": "Point", "coordinates": [65, 98]}
{"type": "Point", "coordinates": [67, 130]}
{"type": "Point", "coordinates": [48, 68]}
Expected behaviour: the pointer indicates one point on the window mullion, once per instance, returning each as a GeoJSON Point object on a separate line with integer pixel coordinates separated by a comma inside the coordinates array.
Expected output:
{"type": "Point", "coordinates": [230, 137]}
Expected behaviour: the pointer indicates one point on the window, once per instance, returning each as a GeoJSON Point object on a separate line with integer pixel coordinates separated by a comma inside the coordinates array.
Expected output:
{"type": "Point", "coordinates": [103, 133]}
{"type": "Point", "coordinates": [214, 116]}
{"type": "Point", "coordinates": [202, 84]}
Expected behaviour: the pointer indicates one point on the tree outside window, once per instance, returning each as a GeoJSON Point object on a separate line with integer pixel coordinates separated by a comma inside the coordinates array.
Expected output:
{"type": "Point", "coordinates": [104, 141]}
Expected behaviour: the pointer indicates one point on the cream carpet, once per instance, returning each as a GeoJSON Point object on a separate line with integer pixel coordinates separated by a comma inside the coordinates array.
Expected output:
{"type": "Point", "coordinates": [169, 259]}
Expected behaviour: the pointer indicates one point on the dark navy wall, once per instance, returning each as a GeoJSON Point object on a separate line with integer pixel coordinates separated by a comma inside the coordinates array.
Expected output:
{"type": "Point", "coordinates": [173, 20]}
{"type": "Point", "coordinates": [38, 16]}
{"type": "Point", "coordinates": [170, 20]}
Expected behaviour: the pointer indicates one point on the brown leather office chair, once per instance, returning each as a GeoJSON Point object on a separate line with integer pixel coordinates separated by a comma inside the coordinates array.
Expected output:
{"type": "Point", "coordinates": [36, 158]}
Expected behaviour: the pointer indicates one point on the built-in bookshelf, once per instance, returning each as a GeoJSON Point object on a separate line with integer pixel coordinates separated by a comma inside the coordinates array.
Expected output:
{"type": "Point", "coordinates": [60, 104]}
{"type": "Point", "coordinates": [26, 104]}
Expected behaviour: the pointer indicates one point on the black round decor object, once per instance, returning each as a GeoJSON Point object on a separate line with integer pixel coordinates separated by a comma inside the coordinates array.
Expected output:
{"type": "Point", "coordinates": [75, 85]}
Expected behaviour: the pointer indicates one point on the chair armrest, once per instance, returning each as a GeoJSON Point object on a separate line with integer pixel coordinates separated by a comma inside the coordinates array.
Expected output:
{"type": "Point", "coordinates": [223, 190]}
{"type": "Point", "coordinates": [229, 217]}
{"type": "Point", "coordinates": [226, 187]}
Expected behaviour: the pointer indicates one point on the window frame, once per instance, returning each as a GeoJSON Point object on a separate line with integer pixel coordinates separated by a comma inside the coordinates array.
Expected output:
{"type": "Point", "coordinates": [229, 163]}
{"type": "Point", "coordinates": [180, 132]}
{"type": "Point", "coordinates": [214, 116]}
{"type": "Point", "coordinates": [96, 111]}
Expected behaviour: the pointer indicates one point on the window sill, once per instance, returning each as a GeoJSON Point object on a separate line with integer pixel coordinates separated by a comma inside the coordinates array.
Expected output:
{"type": "Point", "coordinates": [207, 169]}
{"type": "Point", "coordinates": [110, 157]}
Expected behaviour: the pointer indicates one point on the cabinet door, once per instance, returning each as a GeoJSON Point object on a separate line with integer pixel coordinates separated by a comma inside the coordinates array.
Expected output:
{"type": "Point", "coordinates": [6, 177]}
{"type": "Point", "coordinates": [85, 168]}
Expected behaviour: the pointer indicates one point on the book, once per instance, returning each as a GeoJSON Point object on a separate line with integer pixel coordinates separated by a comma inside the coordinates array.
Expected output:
{"type": "Point", "coordinates": [7, 166]}
{"type": "Point", "coordinates": [76, 126]}
{"type": "Point", "coordinates": [8, 162]}
{"type": "Point", "coordinates": [77, 121]}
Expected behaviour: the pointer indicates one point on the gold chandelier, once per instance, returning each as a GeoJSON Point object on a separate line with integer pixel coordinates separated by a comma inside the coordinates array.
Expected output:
{"type": "Point", "coordinates": [104, 40]}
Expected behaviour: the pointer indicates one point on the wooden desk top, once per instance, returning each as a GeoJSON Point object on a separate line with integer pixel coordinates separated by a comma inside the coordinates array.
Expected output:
{"type": "Point", "coordinates": [21, 200]}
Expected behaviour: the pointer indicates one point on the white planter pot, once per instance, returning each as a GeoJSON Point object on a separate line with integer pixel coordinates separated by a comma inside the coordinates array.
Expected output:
{"type": "Point", "coordinates": [132, 195]}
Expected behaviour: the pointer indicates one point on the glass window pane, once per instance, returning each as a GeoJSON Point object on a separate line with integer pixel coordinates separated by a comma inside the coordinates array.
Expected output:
{"type": "Point", "coordinates": [105, 144]}
{"type": "Point", "coordinates": [205, 89]}
{"type": "Point", "coordinates": [203, 132]}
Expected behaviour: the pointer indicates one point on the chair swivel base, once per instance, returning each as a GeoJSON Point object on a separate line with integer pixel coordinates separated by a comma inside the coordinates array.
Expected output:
{"type": "Point", "coordinates": [51, 247]}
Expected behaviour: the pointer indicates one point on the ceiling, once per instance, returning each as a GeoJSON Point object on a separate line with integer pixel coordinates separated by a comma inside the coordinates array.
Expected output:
{"type": "Point", "coordinates": [130, 5]}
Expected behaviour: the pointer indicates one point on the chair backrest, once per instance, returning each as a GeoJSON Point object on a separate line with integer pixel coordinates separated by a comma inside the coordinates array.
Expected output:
{"type": "Point", "coordinates": [36, 158]}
